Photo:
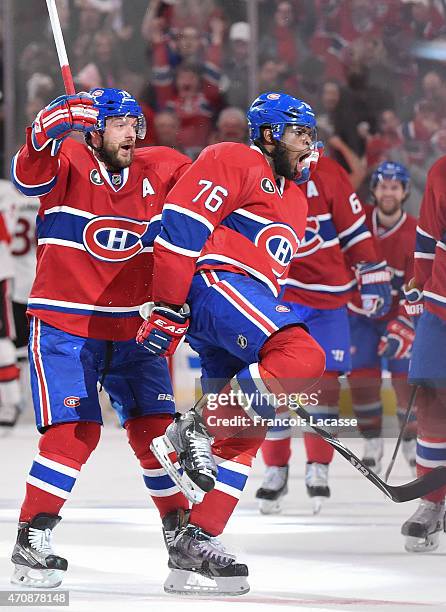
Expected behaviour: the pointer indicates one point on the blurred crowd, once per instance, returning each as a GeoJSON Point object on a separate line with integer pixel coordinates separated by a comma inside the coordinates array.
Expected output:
{"type": "Point", "coordinates": [369, 68]}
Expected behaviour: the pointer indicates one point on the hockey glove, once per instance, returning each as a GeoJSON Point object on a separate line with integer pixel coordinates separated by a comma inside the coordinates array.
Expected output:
{"type": "Point", "coordinates": [309, 164]}
{"type": "Point", "coordinates": [375, 289]}
{"type": "Point", "coordinates": [397, 340]}
{"type": "Point", "coordinates": [62, 116]}
{"type": "Point", "coordinates": [163, 328]}
{"type": "Point", "coordinates": [414, 304]}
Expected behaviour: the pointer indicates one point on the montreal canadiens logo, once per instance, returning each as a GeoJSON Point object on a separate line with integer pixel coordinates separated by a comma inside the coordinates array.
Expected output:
{"type": "Point", "coordinates": [114, 238]}
{"type": "Point", "coordinates": [282, 308]}
{"type": "Point", "coordinates": [273, 96]}
{"type": "Point", "coordinates": [72, 401]}
{"type": "Point", "coordinates": [280, 242]}
{"type": "Point", "coordinates": [313, 240]}
{"type": "Point", "coordinates": [267, 185]}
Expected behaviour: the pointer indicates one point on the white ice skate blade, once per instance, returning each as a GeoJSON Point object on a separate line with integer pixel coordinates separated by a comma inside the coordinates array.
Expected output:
{"type": "Point", "coordinates": [422, 545]}
{"type": "Point", "coordinates": [184, 582]}
{"type": "Point", "coordinates": [317, 503]}
{"type": "Point", "coordinates": [268, 506]}
{"type": "Point", "coordinates": [161, 447]}
{"type": "Point", "coordinates": [37, 578]}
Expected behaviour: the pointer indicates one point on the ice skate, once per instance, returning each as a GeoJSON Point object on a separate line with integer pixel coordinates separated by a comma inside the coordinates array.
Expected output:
{"type": "Point", "coordinates": [409, 448]}
{"type": "Point", "coordinates": [196, 472]}
{"type": "Point", "coordinates": [316, 481]}
{"type": "Point", "coordinates": [373, 453]}
{"type": "Point", "coordinates": [422, 529]}
{"type": "Point", "coordinates": [198, 562]}
{"type": "Point", "coordinates": [274, 487]}
{"type": "Point", "coordinates": [36, 565]}
{"type": "Point", "coordinates": [9, 414]}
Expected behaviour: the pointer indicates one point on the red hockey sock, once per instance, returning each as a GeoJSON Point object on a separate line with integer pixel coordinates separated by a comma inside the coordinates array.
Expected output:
{"type": "Point", "coordinates": [276, 452]}
{"type": "Point", "coordinates": [217, 507]}
{"type": "Point", "coordinates": [164, 492]}
{"type": "Point", "coordinates": [63, 449]}
{"type": "Point", "coordinates": [318, 451]}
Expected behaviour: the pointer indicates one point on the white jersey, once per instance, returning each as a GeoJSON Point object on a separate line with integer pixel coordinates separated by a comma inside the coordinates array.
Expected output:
{"type": "Point", "coordinates": [9, 198]}
{"type": "Point", "coordinates": [24, 247]}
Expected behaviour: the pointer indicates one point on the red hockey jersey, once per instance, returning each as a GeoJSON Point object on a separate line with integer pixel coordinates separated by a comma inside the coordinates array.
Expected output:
{"type": "Point", "coordinates": [95, 234]}
{"type": "Point", "coordinates": [430, 251]}
{"type": "Point", "coordinates": [228, 212]}
{"type": "Point", "coordinates": [336, 238]}
{"type": "Point", "coordinates": [395, 245]}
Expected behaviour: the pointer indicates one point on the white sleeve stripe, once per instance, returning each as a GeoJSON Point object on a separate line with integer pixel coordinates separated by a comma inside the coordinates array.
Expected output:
{"type": "Point", "coordinates": [61, 242]}
{"type": "Point", "coordinates": [441, 245]}
{"type": "Point", "coordinates": [357, 239]}
{"type": "Point", "coordinates": [249, 215]}
{"type": "Point", "coordinates": [176, 249]}
{"type": "Point", "coordinates": [418, 255]}
{"type": "Point", "coordinates": [424, 233]}
{"type": "Point", "coordinates": [70, 210]}
{"type": "Point", "coordinates": [352, 228]}
{"type": "Point", "coordinates": [24, 184]}
{"type": "Point", "coordinates": [189, 213]}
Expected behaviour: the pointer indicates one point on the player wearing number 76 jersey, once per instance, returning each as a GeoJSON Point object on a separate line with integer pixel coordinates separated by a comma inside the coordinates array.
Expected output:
{"type": "Point", "coordinates": [229, 230]}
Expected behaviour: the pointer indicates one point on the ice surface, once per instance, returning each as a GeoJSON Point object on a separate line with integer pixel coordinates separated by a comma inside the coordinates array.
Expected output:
{"type": "Point", "coordinates": [350, 557]}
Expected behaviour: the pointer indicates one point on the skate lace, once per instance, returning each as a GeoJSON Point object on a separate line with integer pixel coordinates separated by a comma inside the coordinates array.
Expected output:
{"type": "Point", "coordinates": [40, 540]}
{"type": "Point", "coordinates": [212, 549]}
{"type": "Point", "coordinates": [317, 475]}
{"type": "Point", "coordinates": [199, 449]}
{"type": "Point", "coordinates": [427, 511]}
{"type": "Point", "coordinates": [275, 478]}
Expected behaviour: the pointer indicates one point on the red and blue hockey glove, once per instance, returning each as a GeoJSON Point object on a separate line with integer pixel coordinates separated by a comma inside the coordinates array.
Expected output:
{"type": "Point", "coordinates": [375, 289]}
{"type": "Point", "coordinates": [163, 328]}
{"type": "Point", "coordinates": [397, 340]}
{"type": "Point", "coordinates": [309, 164]}
{"type": "Point", "coordinates": [62, 116]}
{"type": "Point", "coordinates": [414, 304]}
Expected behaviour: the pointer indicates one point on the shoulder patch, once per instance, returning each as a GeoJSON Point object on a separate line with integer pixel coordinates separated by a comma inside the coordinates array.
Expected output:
{"type": "Point", "coordinates": [267, 185]}
{"type": "Point", "coordinates": [95, 177]}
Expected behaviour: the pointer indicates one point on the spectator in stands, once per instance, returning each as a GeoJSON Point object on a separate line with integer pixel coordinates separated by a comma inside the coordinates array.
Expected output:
{"type": "Point", "coordinates": [325, 110]}
{"type": "Point", "coordinates": [189, 52]}
{"type": "Point", "coordinates": [188, 100]}
{"type": "Point", "coordinates": [231, 126]}
{"type": "Point", "coordinates": [166, 127]}
{"type": "Point", "coordinates": [105, 68]}
{"type": "Point", "coordinates": [388, 136]}
{"type": "Point", "coordinates": [236, 67]}
{"type": "Point", "coordinates": [426, 21]}
{"type": "Point", "coordinates": [281, 39]}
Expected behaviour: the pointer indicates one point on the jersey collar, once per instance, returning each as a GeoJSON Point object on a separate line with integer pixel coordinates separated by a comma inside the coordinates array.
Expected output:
{"type": "Point", "coordinates": [389, 231]}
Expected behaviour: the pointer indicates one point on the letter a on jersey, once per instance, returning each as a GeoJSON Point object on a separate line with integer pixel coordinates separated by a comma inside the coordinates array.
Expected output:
{"type": "Point", "coordinates": [147, 188]}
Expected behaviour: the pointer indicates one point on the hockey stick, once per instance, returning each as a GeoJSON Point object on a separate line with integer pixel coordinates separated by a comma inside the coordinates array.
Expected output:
{"type": "Point", "coordinates": [412, 490]}
{"type": "Point", "coordinates": [403, 427]}
{"type": "Point", "coordinates": [60, 47]}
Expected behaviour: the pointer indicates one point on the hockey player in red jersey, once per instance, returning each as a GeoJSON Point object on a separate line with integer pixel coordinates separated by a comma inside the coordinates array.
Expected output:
{"type": "Point", "coordinates": [318, 288]}
{"type": "Point", "coordinates": [9, 371]}
{"type": "Point", "coordinates": [428, 362]}
{"type": "Point", "coordinates": [99, 213]}
{"type": "Point", "coordinates": [388, 340]}
{"type": "Point", "coordinates": [229, 230]}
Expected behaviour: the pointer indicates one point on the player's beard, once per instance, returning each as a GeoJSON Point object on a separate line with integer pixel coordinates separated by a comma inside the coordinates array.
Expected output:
{"type": "Point", "coordinates": [389, 208]}
{"type": "Point", "coordinates": [282, 164]}
{"type": "Point", "coordinates": [110, 157]}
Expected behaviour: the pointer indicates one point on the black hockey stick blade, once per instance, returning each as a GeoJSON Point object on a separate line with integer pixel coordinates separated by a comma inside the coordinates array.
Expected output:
{"type": "Point", "coordinates": [398, 493]}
